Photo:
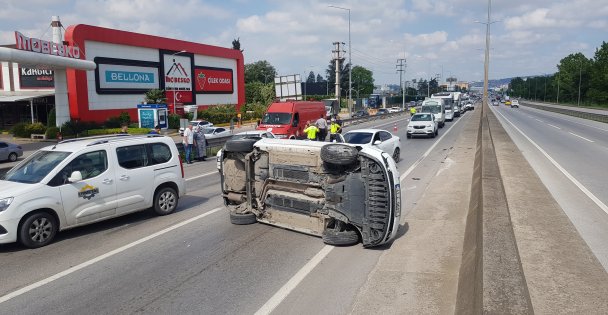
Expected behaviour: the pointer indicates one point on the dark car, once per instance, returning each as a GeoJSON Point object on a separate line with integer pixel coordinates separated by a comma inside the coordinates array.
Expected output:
{"type": "Point", "coordinates": [9, 151]}
{"type": "Point", "coordinates": [382, 111]}
{"type": "Point", "coordinates": [360, 113]}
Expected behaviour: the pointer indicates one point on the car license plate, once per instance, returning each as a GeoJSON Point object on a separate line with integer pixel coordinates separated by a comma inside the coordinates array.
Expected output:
{"type": "Point", "coordinates": [419, 131]}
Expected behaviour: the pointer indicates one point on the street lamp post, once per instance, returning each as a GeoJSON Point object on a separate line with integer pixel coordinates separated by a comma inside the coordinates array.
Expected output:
{"type": "Point", "coordinates": [580, 75]}
{"type": "Point", "coordinates": [350, 62]}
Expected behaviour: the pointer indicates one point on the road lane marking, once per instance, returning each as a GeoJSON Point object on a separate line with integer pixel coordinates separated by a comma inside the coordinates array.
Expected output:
{"type": "Point", "coordinates": [538, 120]}
{"type": "Point", "coordinates": [580, 186]}
{"type": "Point", "coordinates": [284, 291]}
{"type": "Point", "coordinates": [554, 126]}
{"type": "Point", "coordinates": [580, 136]}
{"type": "Point", "coordinates": [203, 175]}
{"type": "Point", "coordinates": [97, 259]}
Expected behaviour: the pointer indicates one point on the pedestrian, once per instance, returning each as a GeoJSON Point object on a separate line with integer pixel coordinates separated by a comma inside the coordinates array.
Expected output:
{"type": "Point", "coordinates": [311, 131]}
{"type": "Point", "coordinates": [322, 125]}
{"type": "Point", "coordinates": [124, 129]}
{"type": "Point", "coordinates": [155, 131]}
{"type": "Point", "coordinates": [412, 110]}
{"type": "Point", "coordinates": [334, 130]}
{"type": "Point", "coordinates": [200, 143]}
{"type": "Point", "coordinates": [188, 140]}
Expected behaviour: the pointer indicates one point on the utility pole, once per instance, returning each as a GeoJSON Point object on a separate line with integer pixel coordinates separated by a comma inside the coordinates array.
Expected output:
{"type": "Point", "coordinates": [580, 75]}
{"type": "Point", "coordinates": [338, 56]}
{"type": "Point", "coordinates": [486, 64]}
{"type": "Point", "coordinates": [400, 69]}
{"type": "Point", "coordinates": [557, 87]}
{"type": "Point", "coordinates": [545, 95]}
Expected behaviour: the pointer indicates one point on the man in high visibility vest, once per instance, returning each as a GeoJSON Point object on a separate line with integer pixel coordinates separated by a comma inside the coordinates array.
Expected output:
{"type": "Point", "coordinates": [311, 131]}
{"type": "Point", "coordinates": [334, 130]}
{"type": "Point", "coordinates": [412, 110]}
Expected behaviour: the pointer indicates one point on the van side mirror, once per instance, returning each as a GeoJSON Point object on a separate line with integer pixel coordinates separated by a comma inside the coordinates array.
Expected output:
{"type": "Point", "coordinates": [75, 177]}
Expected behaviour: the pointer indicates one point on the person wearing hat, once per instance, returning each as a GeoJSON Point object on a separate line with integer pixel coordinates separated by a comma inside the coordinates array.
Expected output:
{"type": "Point", "coordinates": [334, 130]}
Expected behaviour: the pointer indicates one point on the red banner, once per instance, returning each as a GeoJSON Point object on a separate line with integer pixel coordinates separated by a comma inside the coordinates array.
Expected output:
{"type": "Point", "coordinates": [177, 97]}
{"type": "Point", "coordinates": [213, 80]}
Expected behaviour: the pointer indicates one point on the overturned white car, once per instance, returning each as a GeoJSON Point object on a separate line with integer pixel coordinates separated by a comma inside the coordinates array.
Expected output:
{"type": "Point", "coordinates": [340, 192]}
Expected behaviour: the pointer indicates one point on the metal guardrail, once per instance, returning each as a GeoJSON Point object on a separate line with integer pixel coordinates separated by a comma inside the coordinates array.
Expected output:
{"type": "Point", "coordinates": [570, 112]}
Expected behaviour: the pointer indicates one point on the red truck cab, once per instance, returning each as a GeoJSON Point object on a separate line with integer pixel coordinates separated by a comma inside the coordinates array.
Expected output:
{"type": "Point", "coordinates": [287, 120]}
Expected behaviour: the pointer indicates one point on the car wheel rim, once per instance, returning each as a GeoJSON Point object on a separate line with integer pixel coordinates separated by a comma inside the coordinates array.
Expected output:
{"type": "Point", "coordinates": [40, 230]}
{"type": "Point", "coordinates": [166, 201]}
{"type": "Point", "coordinates": [13, 157]}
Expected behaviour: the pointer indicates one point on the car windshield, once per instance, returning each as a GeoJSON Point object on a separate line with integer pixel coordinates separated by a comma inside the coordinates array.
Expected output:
{"type": "Point", "coordinates": [358, 137]}
{"type": "Point", "coordinates": [36, 167]}
{"type": "Point", "coordinates": [422, 117]}
{"type": "Point", "coordinates": [208, 131]}
{"type": "Point", "coordinates": [276, 118]}
{"type": "Point", "coordinates": [248, 136]}
{"type": "Point", "coordinates": [434, 109]}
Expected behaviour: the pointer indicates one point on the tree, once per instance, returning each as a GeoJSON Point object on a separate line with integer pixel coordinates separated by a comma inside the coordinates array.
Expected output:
{"type": "Point", "coordinates": [311, 77]}
{"type": "Point", "coordinates": [236, 44]}
{"type": "Point", "coordinates": [598, 86]}
{"type": "Point", "coordinates": [259, 93]}
{"type": "Point", "coordinates": [259, 71]}
{"type": "Point", "coordinates": [434, 86]}
{"type": "Point", "coordinates": [331, 76]}
{"type": "Point", "coordinates": [155, 96]}
{"type": "Point", "coordinates": [320, 78]}
{"type": "Point", "coordinates": [422, 87]}
{"type": "Point", "coordinates": [362, 81]}
{"type": "Point", "coordinates": [572, 69]}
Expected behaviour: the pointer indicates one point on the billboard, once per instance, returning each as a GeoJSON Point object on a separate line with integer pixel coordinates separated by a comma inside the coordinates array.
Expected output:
{"type": "Point", "coordinates": [177, 77]}
{"type": "Point", "coordinates": [36, 78]}
{"type": "Point", "coordinates": [209, 80]}
{"type": "Point", "coordinates": [288, 87]}
{"type": "Point", "coordinates": [124, 76]}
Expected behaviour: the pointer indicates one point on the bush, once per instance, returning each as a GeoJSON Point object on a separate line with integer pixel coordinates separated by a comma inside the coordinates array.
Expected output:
{"type": "Point", "coordinates": [218, 114]}
{"type": "Point", "coordinates": [109, 131]}
{"type": "Point", "coordinates": [51, 120]}
{"type": "Point", "coordinates": [51, 132]}
{"type": "Point", "coordinates": [18, 130]}
{"type": "Point", "coordinates": [113, 122]}
{"type": "Point", "coordinates": [25, 130]}
{"type": "Point", "coordinates": [174, 121]}
{"type": "Point", "coordinates": [78, 128]}
{"type": "Point", "coordinates": [124, 118]}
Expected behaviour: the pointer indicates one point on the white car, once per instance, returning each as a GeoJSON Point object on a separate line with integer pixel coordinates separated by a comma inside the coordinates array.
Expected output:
{"type": "Point", "coordinates": [469, 106]}
{"type": "Point", "coordinates": [195, 125]}
{"type": "Point", "coordinates": [422, 124]}
{"type": "Point", "coordinates": [254, 134]}
{"type": "Point", "coordinates": [514, 104]}
{"type": "Point", "coordinates": [449, 112]}
{"type": "Point", "coordinates": [394, 109]}
{"type": "Point", "coordinates": [85, 180]}
{"type": "Point", "coordinates": [341, 193]}
{"type": "Point", "coordinates": [216, 132]}
{"type": "Point", "coordinates": [377, 138]}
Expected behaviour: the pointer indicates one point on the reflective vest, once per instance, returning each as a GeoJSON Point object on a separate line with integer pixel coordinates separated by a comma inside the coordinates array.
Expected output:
{"type": "Point", "coordinates": [413, 110]}
{"type": "Point", "coordinates": [311, 132]}
{"type": "Point", "coordinates": [334, 127]}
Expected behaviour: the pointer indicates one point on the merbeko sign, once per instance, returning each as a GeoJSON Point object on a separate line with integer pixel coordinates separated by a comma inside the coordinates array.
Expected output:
{"type": "Point", "coordinates": [45, 47]}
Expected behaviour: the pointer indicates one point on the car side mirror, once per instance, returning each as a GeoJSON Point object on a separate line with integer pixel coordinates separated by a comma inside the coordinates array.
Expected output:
{"type": "Point", "coordinates": [377, 142]}
{"type": "Point", "coordinates": [75, 177]}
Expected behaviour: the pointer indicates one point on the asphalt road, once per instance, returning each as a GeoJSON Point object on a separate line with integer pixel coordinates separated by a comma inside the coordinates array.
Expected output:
{"type": "Point", "coordinates": [570, 156]}
{"type": "Point", "coordinates": [195, 261]}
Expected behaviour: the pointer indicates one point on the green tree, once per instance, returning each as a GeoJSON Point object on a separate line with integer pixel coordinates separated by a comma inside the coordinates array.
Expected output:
{"type": "Point", "coordinates": [320, 78]}
{"type": "Point", "coordinates": [236, 44]}
{"type": "Point", "coordinates": [311, 77]}
{"type": "Point", "coordinates": [434, 86]}
{"type": "Point", "coordinates": [572, 69]}
{"type": "Point", "coordinates": [362, 81]}
{"type": "Point", "coordinates": [598, 85]}
{"type": "Point", "coordinates": [331, 76]}
{"type": "Point", "coordinates": [260, 71]}
{"type": "Point", "coordinates": [155, 96]}
{"type": "Point", "coordinates": [257, 92]}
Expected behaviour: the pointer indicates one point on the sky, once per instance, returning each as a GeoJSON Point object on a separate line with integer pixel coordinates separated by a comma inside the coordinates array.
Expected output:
{"type": "Point", "coordinates": [436, 37]}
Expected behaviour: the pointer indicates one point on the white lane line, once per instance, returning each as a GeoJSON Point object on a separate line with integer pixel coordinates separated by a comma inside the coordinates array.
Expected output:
{"type": "Point", "coordinates": [409, 170]}
{"type": "Point", "coordinates": [580, 136]}
{"type": "Point", "coordinates": [203, 175]}
{"type": "Point", "coordinates": [538, 120]}
{"type": "Point", "coordinates": [580, 186]}
{"type": "Point", "coordinates": [97, 259]}
{"type": "Point", "coordinates": [563, 117]}
{"type": "Point", "coordinates": [284, 291]}
{"type": "Point", "coordinates": [554, 126]}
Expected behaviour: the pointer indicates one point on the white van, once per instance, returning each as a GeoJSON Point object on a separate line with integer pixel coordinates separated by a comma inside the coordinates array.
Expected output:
{"type": "Point", "coordinates": [86, 180]}
{"type": "Point", "coordinates": [435, 107]}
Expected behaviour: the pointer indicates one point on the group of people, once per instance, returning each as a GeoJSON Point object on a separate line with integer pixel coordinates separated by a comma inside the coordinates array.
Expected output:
{"type": "Point", "coordinates": [317, 131]}
{"type": "Point", "coordinates": [195, 139]}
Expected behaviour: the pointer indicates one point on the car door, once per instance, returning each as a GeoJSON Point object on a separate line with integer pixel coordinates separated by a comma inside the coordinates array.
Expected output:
{"type": "Point", "coordinates": [134, 178]}
{"type": "Point", "coordinates": [388, 142]}
{"type": "Point", "coordinates": [3, 151]}
{"type": "Point", "coordinates": [92, 198]}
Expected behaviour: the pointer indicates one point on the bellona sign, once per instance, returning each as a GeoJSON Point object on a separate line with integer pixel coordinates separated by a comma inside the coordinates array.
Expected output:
{"type": "Point", "coordinates": [45, 47]}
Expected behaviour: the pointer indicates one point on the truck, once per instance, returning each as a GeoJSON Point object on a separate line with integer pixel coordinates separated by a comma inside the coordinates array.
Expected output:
{"type": "Point", "coordinates": [436, 107]}
{"type": "Point", "coordinates": [287, 120]}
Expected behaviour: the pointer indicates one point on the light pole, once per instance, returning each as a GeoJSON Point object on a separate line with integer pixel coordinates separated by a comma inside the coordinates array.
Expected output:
{"type": "Point", "coordinates": [350, 62]}
{"type": "Point", "coordinates": [557, 87]}
{"type": "Point", "coordinates": [486, 63]}
{"type": "Point", "coordinates": [580, 75]}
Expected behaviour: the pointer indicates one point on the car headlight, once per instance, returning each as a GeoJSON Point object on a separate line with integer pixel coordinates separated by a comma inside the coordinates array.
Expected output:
{"type": "Point", "coordinates": [4, 203]}
{"type": "Point", "coordinates": [429, 126]}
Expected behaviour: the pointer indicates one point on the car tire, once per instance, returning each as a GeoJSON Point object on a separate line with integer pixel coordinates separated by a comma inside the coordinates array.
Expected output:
{"type": "Point", "coordinates": [37, 230]}
{"type": "Point", "coordinates": [437, 132]}
{"type": "Point", "coordinates": [242, 218]}
{"type": "Point", "coordinates": [339, 154]}
{"type": "Point", "coordinates": [397, 155]}
{"type": "Point", "coordinates": [340, 238]}
{"type": "Point", "coordinates": [409, 136]}
{"type": "Point", "coordinates": [165, 201]}
{"type": "Point", "coordinates": [12, 157]}
{"type": "Point", "coordinates": [240, 145]}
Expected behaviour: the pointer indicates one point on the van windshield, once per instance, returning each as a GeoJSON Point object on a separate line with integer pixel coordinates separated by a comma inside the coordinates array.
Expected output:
{"type": "Point", "coordinates": [36, 167]}
{"type": "Point", "coordinates": [433, 109]}
{"type": "Point", "coordinates": [276, 118]}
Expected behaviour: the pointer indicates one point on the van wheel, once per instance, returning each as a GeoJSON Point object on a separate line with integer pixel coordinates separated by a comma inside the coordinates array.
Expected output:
{"type": "Point", "coordinates": [339, 154]}
{"type": "Point", "coordinates": [240, 145]}
{"type": "Point", "coordinates": [165, 201]}
{"type": "Point", "coordinates": [37, 230]}
{"type": "Point", "coordinates": [242, 218]}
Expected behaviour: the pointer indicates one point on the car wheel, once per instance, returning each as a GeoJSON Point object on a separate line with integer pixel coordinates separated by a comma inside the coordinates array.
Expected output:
{"type": "Point", "coordinates": [37, 230]}
{"type": "Point", "coordinates": [409, 136]}
{"type": "Point", "coordinates": [397, 155]}
{"type": "Point", "coordinates": [12, 157]}
{"type": "Point", "coordinates": [339, 154]}
{"type": "Point", "coordinates": [436, 132]}
{"type": "Point", "coordinates": [340, 238]}
{"type": "Point", "coordinates": [240, 145]}
{"type": "Point", "coordinates": [242, 218]}
{"type": "Point", "coordinates": [165, 201]}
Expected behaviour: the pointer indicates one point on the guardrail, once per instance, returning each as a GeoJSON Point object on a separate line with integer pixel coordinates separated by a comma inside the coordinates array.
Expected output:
{"type": "Point", "coordinates": [570, 112]}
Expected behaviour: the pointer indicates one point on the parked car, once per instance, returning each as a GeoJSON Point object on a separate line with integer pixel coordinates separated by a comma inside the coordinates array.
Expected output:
{"type": "Point", "coordinates": [514, 104]}
{"type": "Point", "coordinates": [335, 191]}
{"type": "Point", "coordinates": [216, 132]}
{"type": "Point", "coordinates": [288, 119]}
{"type": "Point", "coordinates": [382, 111]}
{"type": "Point", "coordinates": [395, 109]}
{"type": "Point", "coordinates": [360, 113]}
{"type": "Point", "coordinates": [195, 125]}
{"type": "Point", "coordinates": [422, 124]}
{"type": "Point", "coordinates": [10, 151]}
{"type": "Point", "coordinates": [378, 138]}
{"type": "Point", "coordinates": [85, 180]}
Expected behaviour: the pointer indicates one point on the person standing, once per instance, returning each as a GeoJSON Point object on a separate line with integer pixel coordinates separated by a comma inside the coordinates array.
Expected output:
{"type": "Point", "coordinates": [412, 110]}
{"type": "Point", "coordinates": [334, 130]}
{"type": "Point", "coordinates": [200, 143]}
{"type": "Point", "coordinates": [188, 141]}
{"type": "Point", "coordinates": [311, 131]}
{"type": "Point", "coordinates": [124, 129]}
{"type": "Point", "coordinates": [155, 131]}
{"type": "Point", "coordinates": [322, 125]}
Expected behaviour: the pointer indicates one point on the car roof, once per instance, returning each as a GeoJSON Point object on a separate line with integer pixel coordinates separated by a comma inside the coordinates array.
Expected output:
{"type": "Point", "coordinates": [252, 132]}
{"type": "Point", "coordinates": [365, 130]}
{"type": "Point", "coordinates": [76, 144]}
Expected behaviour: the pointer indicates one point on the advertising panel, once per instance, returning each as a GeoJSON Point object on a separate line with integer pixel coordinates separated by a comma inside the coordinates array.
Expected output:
{"type": "Point", "coordinates": [177, 72]}
{"type": "Point", "coordinates": [36, 78]}
{"type": "Point", "coordinates": [124, 76]}
{"type": "Point", "coordinates": [213, 80]}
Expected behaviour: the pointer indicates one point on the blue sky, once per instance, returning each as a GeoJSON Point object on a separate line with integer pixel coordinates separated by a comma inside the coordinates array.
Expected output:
{"type": "Point", "coordinates": [435, 36]}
